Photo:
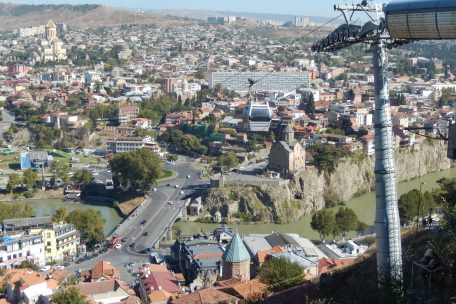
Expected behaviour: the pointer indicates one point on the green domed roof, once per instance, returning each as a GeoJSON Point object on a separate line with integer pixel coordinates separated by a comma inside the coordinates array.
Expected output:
{"type": "Point", "coordinates": [236, 251]}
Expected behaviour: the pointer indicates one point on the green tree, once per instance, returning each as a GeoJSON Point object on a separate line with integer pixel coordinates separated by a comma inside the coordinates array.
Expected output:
{"type": "Point", "coordinates": [30, 178]}
{"type": "Point", "coordinates": [326, 156]}
{"type": "Point", "coordinates": [346, 220]}
{"type": "Point", "coordinates": [60, 215]}
{"type": "Point", "coordinates": [71, 295]}
{"type": "Point", "coordinates": [90, 224]}
{"type": "Point", "coordinates": [29, 265]}
{"type": "Point", "coordinates": [323, 222]}
{"type": "Point", "coordinates": [139, 169]}
{"type": "Point", "coordinates": [82, 177]}
{"type": "Point", "coordinates": [280, 274]}
{"type": "Point", "coordinates": [16, 210]}
{"type": "Point", "coordinates": [361, 227]}
{"type": "Point", "coordinates": [310, 105]}
{"type": "Point", "coordinates": [413, 203]}
{"type": "Point", "coordinates": [150, 114]}
{"type": "Point", "coordinates": [14, 180]}
{"type": "Point", "coordinates": [61, 169]}
{"type": "Point", "coordinates": [229, 160]}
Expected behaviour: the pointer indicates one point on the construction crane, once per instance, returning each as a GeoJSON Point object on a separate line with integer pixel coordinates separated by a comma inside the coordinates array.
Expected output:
{"type": "Point", "coordinates": [388, 26]}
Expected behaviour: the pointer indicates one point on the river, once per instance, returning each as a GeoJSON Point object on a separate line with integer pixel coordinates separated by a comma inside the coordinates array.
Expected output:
{"type": "Point", "coordinates": [363, 205]}
{"type": "Point", "coordinates": [45, 207]}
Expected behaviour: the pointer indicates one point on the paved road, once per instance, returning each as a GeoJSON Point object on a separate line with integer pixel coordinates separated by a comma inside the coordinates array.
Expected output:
{"type": "Point", "coordinates": [157, 215]}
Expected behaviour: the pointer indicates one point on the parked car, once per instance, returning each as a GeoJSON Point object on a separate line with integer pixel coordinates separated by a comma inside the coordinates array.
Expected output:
{"type": "Point", "coordinates": [143, 222]}
{"type": "Point", "coordinates": [45, 268]}
{"type": "Point", "coordinates": [118, 246]}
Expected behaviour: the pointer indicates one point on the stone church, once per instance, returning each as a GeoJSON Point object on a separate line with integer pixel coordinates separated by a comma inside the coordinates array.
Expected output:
{"type": "Point", "coordinates": [287, 155]}
{"type": "Point", "coordinates": [50, 48]}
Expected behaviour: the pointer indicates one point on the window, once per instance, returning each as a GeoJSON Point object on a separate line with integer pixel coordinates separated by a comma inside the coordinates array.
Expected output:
{"type": "Point", "coordinates": [28, 253]}
{"type": "Point", "coordinates": [9, 257]}
{"type": "Point", "coordinates": [14, 256]}
{"type": "Point", "coordinates": [48, 243]}
{"type": "Point", "coordinates": [20, 254]}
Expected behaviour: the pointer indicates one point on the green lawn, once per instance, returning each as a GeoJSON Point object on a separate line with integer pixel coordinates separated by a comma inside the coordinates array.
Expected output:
{"type": "Point", "coordinates": [166, 174]}
{"type": "Point", "coordinates": [9, 160]}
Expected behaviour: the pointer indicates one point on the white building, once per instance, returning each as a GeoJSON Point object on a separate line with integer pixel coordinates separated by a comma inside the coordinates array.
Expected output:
{"type": "Point", "coordinates": [19, 248]}
{"type": "Point", "coordinates": [129, 144]}
{"type": "Point", "coordinates": [276, 81]}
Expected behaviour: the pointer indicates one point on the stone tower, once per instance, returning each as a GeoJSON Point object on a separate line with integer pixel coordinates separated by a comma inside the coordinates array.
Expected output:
{"type": "Point", "coordinates": [236, 260]}
{"type": "Point", "coordinates": [288, 134]}
{"type": "Point", "coordinates": [51, 30]}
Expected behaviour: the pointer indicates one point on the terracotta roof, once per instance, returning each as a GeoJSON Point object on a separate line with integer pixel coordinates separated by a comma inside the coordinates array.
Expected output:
{"type": "Point", "coordinates": [155, 268]}
{"type": "Point", "coordinates": [262, 254]}
{"type": "Point", "coordinates": [204, 296]}
{"type": "Point", "coordinates": [102, 287]}
{"type": "Point", "coordinates": [245, 290]}
{"type": "Point", "coordinates": [162, 280]}
{"type": "Point", "coordinates": [26, 276]}
{"type": "Point", "coordinates": [208, 255]}
{"type": "Point", "coordinates": [104, 269]}
{"type": "Point", "coordinates": [59, 274]}
{"type": "Point", "coordinates": [159, 296]}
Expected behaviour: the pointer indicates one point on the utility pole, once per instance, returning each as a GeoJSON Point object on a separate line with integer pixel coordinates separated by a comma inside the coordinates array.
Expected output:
{"type": "Point", "coordinates": [387, 223]}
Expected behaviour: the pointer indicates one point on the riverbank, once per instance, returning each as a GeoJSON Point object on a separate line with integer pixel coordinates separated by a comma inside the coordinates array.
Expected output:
{"type": "Point", "coordinates": [46, 207]}
{"type": "Point", "coordinates": [38, 194]}
{"type": "Point", "coordinates": [363, 205]}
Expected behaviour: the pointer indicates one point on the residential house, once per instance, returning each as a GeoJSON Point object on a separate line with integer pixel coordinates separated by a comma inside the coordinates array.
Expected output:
{"type": "Point", "coordinates": [102, 271]}
{"type": "Point", "coordinates": [108, 292]}
{"type": "Point", "coordinates": [28, 286]}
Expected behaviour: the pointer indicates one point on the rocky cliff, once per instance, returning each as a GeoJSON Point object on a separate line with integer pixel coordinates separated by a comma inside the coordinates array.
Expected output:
{"type": "Point", "coordinates": [306, 190]}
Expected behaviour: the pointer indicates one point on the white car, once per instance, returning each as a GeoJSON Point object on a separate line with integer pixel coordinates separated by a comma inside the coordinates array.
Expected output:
{"type": "Point", "coordinates": [170, 202]}
{"type": "Point", "coordinates": [45, 268]}
{"type": "Point", "coordinates": [118, 246]}
{"type": "Point", "coordinates": [155, 189]}
{"type": "Point", "coordinates": [182, 192]}
{"type": "Point", "coordinates": [176, 186]}
{"type": "Point", "coordinates": [188, 176]}
{"type": "Point", "coordinates": [58, 267]}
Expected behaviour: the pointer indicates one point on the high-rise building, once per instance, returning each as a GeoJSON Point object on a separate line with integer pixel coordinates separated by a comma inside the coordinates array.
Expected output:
{"type": "Point", "coordinates": [300, 21]}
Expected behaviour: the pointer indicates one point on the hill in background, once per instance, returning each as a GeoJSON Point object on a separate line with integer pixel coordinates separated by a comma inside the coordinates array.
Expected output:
{"type": "Point", "coordinates": [13, 16]}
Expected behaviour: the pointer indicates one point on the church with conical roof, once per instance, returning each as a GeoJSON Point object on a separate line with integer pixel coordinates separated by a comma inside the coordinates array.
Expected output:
{"type": "Point", "coordinates": [50, 48]}
{"type": "Point", "coordinates": [236, 260]}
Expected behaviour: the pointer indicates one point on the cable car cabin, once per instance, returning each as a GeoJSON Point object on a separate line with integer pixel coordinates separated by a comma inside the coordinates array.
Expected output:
{"type": "Point", "coordinates": [257, 117]}
{"type": "Point", "coordinates": [421, 19]}
{"type": "Point", "coordinates": [452, 142]}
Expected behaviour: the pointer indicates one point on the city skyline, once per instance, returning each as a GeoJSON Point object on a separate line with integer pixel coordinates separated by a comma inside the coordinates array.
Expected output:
{"type": "Point", "coordinates": [286, 7]}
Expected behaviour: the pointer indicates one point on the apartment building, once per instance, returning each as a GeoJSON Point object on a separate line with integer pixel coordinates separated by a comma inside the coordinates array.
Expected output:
{"type": "Point", "coordinates": [127, 114]}
{"type": "Point", "coordinates": [60, 241]}
{"type": "Point", "coordinates": [276, 81]}
{"type": "Point", "coordinates": [15, 249]}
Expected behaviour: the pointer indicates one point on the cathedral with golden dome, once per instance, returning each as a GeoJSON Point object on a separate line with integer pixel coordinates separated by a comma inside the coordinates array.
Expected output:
{"type": "Point", "coordinates": [50, 48]}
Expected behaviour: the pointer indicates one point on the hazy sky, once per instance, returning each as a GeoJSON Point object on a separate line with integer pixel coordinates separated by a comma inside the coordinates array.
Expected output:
{"type": "Point", "coordinates": [292, 7]}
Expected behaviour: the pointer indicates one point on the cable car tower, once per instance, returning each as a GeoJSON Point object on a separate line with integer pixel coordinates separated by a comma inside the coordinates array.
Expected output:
{"type": "Point", "coordinates": [389, 26]}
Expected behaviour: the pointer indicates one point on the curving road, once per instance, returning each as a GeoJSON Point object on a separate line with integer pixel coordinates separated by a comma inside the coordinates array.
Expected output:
{"type": "Point", "coordinates": [146, 226]}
